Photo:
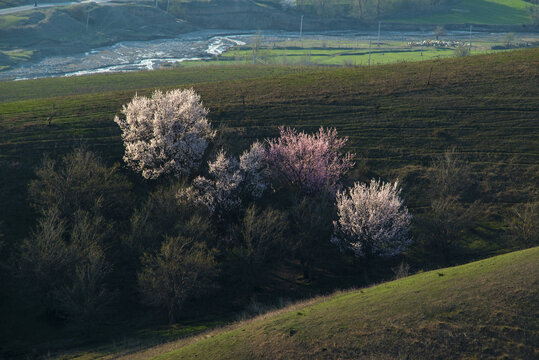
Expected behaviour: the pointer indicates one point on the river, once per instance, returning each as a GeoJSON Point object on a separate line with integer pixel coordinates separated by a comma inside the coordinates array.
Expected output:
{"type": "Point", "coordinates": [148, 55]}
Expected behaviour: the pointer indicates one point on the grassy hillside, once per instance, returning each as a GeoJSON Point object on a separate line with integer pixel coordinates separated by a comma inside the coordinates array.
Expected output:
{"type": "Point", "coordinates": [485, 309]}
{"type": "Point", "coordinates": [488, 12]}
{"type": "Point", "coordinates": [396, 118]}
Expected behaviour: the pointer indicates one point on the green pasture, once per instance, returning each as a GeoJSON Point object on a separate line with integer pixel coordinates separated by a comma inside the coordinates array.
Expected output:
{"type": "Point", "coordinates": [338, 57]}
{"type": "Point", "coordinates": [7, 21]}
{"type": "Point", "coordinates": [338, 53]}
{"type": "Point", "coordinates": [489, 12]}
{"type": "Point", "coordinates": [482, 309]}
{"type": "Point", "coordinates": [18, 54]}
{"type": "Point", "coordinates": [12, 91]}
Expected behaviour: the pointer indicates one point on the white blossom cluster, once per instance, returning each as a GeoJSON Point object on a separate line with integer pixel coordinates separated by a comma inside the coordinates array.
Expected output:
{"type": "Point", "coordinates": [230, 180]}
{"type": "Point", "coordinates": [165, 134]}
{"type": "Point", "coordinates": [372, 220]}
{"type": "Point", "coordinates": [254, 170]}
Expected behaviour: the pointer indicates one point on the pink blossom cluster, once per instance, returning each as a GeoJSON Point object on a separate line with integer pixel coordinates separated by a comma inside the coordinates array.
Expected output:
{"type": "Point", "coordinates": [165, 134]}
{"type": "Point", "coordinates": [372, 220]}
{"type": "Point", "coordinates": [313, 163]}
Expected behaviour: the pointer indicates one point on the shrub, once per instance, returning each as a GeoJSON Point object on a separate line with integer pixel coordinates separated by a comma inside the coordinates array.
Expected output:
{"type": "Point", "coordinates": [449, 218]}
{"type": "Point", "coordinates": [449, 175]}
{"type": "Point", "coordinates": [80, 180]}
{"type": "Point", "coordinates": [312, 226]}
{"type": "Point", "coordinates": [162, 216]}
{"type": "Point", "coordinates": [260, 238]}
{"type": "Point", "coordinates": [165, 134]}
{"type": "Point", "coordinates": [524, 225]}
{"type": "Point", "coordinates": [68, 268]}
{"type": "Point", "coordinates": [182, 269]}
{"type": "Point", "coordinates": [462, 50]}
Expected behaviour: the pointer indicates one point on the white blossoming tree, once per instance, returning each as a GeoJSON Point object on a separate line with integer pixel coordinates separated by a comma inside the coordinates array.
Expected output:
{"type": "Point", "coordinates": [372, 220]}
{"type": "Point", "coordinates": [230, 181]}
{"type": "Point", "coordinates": [165, 134]}
{"type": "Point", "coordinates": [254, 171]}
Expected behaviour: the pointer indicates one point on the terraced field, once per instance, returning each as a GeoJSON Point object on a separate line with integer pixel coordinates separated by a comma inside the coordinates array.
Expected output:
{"type": "Point", "coordinates": [396, 116]}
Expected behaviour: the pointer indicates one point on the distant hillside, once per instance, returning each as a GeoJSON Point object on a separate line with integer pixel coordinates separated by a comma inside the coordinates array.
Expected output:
{"type": "Point", "coordinates": [486, 309]}
{"type": "Point", "coordinates": [12, 3]}
{"type": "Point", "coordinates": [486, 12]}
{"type": "Point", "coordinates": [43, 32]}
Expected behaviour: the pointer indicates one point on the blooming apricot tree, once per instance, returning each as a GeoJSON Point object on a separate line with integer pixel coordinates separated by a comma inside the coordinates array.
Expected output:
{"type": "Point", "coordinates": [165, 134]}
{"type": "Point", "coordinates": [372, 220]}
{"type": "Point", "coordinates": [253, 167]}
{"type": "Point", "coordinates": [230, 181]}
{"type": "Point", "coordinates": [314, 163]}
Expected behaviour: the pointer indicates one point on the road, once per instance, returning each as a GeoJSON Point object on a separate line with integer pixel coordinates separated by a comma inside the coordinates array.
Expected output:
{"type": "Point", "coordinates": [17, 9]}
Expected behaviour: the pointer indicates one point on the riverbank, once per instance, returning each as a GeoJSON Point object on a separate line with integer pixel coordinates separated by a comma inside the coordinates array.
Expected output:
{"type": "Point", "coordinates": [228, 47]}
{"type": "Point", "coordinates": [41, 37]}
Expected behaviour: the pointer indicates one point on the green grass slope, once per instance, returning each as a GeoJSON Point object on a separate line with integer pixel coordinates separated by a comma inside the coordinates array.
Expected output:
{"type": "Point", "coordinates": [483, 104]}
{"type": "Point", "coordinates": [487, 12]}
{"type": "Point", "coordinates": [486, 309]}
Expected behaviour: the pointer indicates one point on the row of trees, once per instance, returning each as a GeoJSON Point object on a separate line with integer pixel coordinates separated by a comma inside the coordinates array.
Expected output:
{"type": "Point", "coordinates": [367, 9]}
{"type": "Point", "coordinates": [201, 221]}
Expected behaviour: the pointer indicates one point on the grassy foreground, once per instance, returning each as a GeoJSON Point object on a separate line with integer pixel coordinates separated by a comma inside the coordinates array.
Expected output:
{"type": "Point", "coordinates": [485, 309]}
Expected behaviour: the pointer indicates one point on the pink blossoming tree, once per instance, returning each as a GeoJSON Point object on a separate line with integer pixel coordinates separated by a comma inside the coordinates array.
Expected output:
{"type": "Point", "coordinates": [372, 220]}
{"type": "Point", "coordinates": [313, 163]}
{"type": "Point", "coordinates": [165, 134]}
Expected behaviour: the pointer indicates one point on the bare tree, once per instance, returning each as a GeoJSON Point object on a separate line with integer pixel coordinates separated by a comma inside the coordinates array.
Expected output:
{"type": "Point", "coordinates": [450, 218]}
{"type": "Point", "coordinates": [524, 224]}
{"type": "Point", "coordinates": [312, 225]}
{"type": "Point", "coordinates": [449, 175]}
{"type": "Point", "coordinates": [80, 180]}
{"type": "Point", "coordinates": [182, 269]}
{"type": "Point", "coordinates": [439, 31]}
{"type": "Point", "coordinates": [260, 236]}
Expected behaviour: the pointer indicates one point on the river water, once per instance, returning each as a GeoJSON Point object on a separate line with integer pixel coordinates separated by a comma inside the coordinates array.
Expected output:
{"type": "Point", "coordinates": [148, 55]}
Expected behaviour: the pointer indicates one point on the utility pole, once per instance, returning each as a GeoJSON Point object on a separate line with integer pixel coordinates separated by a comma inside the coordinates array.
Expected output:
{"type": "Point", "coordinates": [470, 38]}
{"type": "Point", "coordinates": [87, 20]}
{"type": "Point", "coordinates": [301, 28]}
{"type": "Point", "coordinates": [370, 44]}
{"type": "Point", "coordinates": [168, 4]}
{"type": "Point", "coordinates": [379, 26]}
{"type": "Point", "coordinates": [155, 3]}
